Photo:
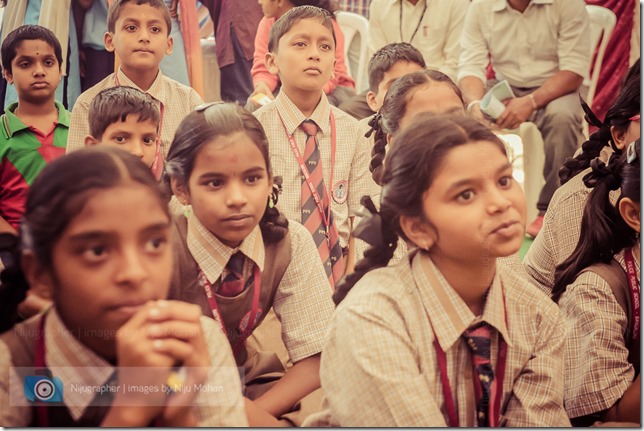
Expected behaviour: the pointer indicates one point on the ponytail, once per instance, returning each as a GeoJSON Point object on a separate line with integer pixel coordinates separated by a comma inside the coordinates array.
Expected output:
{"type": "Point", "coordinates": [378, 151]}
{"type": "Point", "coordinates": [379, 233]}
{"type": "Point", "coordinates": [13, 284]}
{"type": "Point", "coordinates": [274, 225]}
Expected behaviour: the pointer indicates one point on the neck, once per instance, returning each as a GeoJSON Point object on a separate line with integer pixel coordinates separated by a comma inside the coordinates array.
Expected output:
{"type": "Point", "coordinates": [471, 282]}
{"type": "Point", "coordinates": [142, 78]}
{"type": "Point", "coordinates": [414, 2]}
{"type": "Point", "coordinates": [306, 101]}
{"type": "Point", "coordinates": [26, 109]}
{"type": "Point", "coordinates": [636, 250]}
{"type": "Point", "coordinates": [520, 5]}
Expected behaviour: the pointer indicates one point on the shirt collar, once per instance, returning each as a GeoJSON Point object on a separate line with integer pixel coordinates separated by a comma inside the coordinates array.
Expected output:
{"type": "Point", "coordinates": [447, 312]}
{"type": "Point", "coordinates": [74, 364]}
{"type": "Point", "coordinates": [500, 5]}
{"type": "Point", "coordinates": [212, 255]}
{"type": "Point", "coordinates": [156, 90]}
{"type": "Point", "coordinates": [293, 117]}
{"type": "Point", "coordinates": [12, 124]}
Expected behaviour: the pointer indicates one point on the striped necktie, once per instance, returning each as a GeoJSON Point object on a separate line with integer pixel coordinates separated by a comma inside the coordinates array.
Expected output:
{"type": "Point", "coordinates": [478, 339]}
{"type": "Point", "coordinates": [233, 283]}
{"type": "Point", "coordinates": [327, 241]}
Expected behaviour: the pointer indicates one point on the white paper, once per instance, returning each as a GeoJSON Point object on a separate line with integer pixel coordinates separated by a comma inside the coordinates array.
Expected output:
{"type": "Point", "coordinates": [492, 102]}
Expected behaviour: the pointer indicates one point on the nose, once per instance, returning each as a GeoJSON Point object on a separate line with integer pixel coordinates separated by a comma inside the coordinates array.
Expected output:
{"type": "Point", "coordinates": [144, 35]}
{"type": "Point", "coordinates": [39, 70]}
{"type": "Point", "coordinates": [314, 52]}
{"type": "Point", "coordinates": [131, 269]}
{"type": "Point", "coordinates": [235, 196]}
{"type": "Point", "coordinates": [136, 148]}
{"type": "Point", "coordinates": [497, 201]}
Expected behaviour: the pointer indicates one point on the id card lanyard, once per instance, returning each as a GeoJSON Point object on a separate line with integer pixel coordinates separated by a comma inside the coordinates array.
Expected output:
{"type": "Point", "coordinates": [634, 284]}
{"type": "Point", "coordinates": [326, 215]}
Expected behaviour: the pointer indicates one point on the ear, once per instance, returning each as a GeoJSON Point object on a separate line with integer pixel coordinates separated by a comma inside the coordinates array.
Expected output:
{"type": "Point", "coordinates": [271, 65]}
{"type": "Point", "coordinates": [40, 279]}
{"type": "Point", "coordinates": [7, 76]}
{"type": "Point", "coordinates": [618, 137]}
{"type": "Point", "coordinates": [180, 191]}
{"type": "Point", "coordinates": [108, 41]}
{"type": "Point", "coordinates": [418, 231]}
{"type": "Point", "coordinates": [630, 212]}
{"type": "Point", "coordinates": [390, 139]}
{"type": "Point", "coordinates": [90, 140]}
{"type": "Point", "coordinates": [371, 101]}
{"type": "Point", "coordinates": [168, 49]}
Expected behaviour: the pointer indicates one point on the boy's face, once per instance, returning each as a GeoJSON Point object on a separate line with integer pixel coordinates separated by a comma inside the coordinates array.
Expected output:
{"type": "Point", "coordinates": [399, 69]}
{"type": "Point", "coordinates": [270, 8]}
{"type": "Point", "coordinates": [305, 57]}
{"type": "Point", "coordinates": [136, 137]}
{"type": "Point", "coordinates": [35, 71]}
{"type": "Point", "coordinates": [140, 37]}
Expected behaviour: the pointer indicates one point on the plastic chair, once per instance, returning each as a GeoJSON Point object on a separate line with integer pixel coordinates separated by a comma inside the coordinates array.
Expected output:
{"type": "Point", "coordinates": [352, 25]}
{"type": "Point", "coordinates": [602, 23]}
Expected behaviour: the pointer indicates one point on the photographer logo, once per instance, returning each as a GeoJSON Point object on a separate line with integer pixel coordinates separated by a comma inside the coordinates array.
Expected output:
{"type": "Point", "coordinates": [43, 387]}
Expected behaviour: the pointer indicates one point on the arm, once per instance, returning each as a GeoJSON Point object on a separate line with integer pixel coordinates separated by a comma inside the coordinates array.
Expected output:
{"type": "Point", "coordinates": [598, 375]}
{"type": "Point", "coordinates": [377, 37]}
{"type": "Point", "coordinates": [473, 58]}
{"type": "Point", "coordinates": [298, 381]}
{"type": "Point", "coordinates": [263, 80]}
{"type": "Point", "coordinates": [537, 392]}
{"type": "Point", "coordinates": [5, 227]}
{"type": "Point", "coordinates": [452, 47]}
{"type": "Point", "coordinates": [78, 127]}
{"type": "Point", "coordinates": [350, 263]}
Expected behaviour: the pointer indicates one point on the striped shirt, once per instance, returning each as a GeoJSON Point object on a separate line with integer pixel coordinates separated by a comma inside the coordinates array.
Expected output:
{"type": "Point", "coordinates": [352, 157]}
{"type": "Point", "coordinates": [597, 368]}
{"type": "Point", "coordinates": [379, 365]}
{"type": "Point", "coordinates": [177, 101]}
{"type": "Point", "coordinates": [75, 364]}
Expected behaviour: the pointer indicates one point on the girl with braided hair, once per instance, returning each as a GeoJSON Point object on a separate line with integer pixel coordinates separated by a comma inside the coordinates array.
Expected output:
{"type": "Point", "coordinates": [560, 231]}
{"type": "Point", "coordinates": [602, 360]}
{"type": "Point", "coordinates": [404, 339]}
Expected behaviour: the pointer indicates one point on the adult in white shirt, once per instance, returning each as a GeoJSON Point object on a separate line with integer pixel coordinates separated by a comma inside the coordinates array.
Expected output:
{"type": "Point", "coordinates": [542, 48]}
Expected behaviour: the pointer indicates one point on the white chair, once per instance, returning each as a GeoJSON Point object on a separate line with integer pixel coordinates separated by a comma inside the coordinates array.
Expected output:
{"type": "Point", "coordinates": [602, 23]}
{"type": "Point", "coordinates": [353, 25]}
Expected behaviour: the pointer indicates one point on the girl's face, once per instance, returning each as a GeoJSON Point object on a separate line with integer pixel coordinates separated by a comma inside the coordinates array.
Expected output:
{"type": "Point", "coordinates": [228, 187]}
{"type": "Point", "coordinates": [476, 211]}
{"type": "Point", "coordinates": [112, 258]}
{"type": "Point", "coordinates": [436, 97]}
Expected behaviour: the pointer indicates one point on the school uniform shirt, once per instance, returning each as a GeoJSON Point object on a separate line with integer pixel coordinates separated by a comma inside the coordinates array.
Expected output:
{"type": "Point", "coordinates": [75, 364]}
{"type": "Point", "coordinates": [597, 368]}
{"type": "Point", "coordinates": [351, 170]}
{"type": "Point", "coordinates": [24, 152]}
{"type": "Point", "coordinates": [561, 226]}
{"type": "Point", "coordinates": [379, 365]}
{"type": "Point", "coordinates": [177, 100]}
{"type": "Point", "coordinates": [303, 300]}
{"type": "Point", "coordinates": [439, 29]}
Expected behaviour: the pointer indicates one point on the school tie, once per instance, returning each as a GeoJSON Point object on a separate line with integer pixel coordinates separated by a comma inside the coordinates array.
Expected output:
{"type": "Point", "coordinates": [327, 241]}
{"type": "Point", "coordinates": [478, 339]}
{"type": "Point", "coordinates": [233, 283]}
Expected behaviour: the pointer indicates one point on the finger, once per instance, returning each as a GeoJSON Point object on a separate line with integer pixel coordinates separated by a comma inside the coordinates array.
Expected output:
{"type": "Point", "coordinates": [177, 349]}
{"type": "Point", "coordinates": [174, 310]}
{"type": "Point", "coordinates": [175, 329]}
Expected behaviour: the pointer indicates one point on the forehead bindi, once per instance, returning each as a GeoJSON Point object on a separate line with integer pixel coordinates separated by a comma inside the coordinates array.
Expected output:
{"type": "Point", "coordinates": [34, 48]}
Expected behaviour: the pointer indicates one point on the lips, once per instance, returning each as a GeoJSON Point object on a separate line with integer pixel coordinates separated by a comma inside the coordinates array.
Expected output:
{"type": "Point", "coordinates": [40, 84]}
{"type": "Point", "coordinates": [505, 228]}
{"type": "Point", "coordinates": [237, 217]}
{"type": "Point", "coordinates": [313, 69]}
{"type": "Point", "coordinates": [147, 51]}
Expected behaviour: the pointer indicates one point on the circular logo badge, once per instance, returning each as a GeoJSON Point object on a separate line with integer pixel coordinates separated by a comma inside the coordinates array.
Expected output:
{"type": "Point", "coordinates": [339, 191]}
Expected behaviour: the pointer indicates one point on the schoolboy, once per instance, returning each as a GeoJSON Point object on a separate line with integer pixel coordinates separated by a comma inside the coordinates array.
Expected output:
{"type": "Point", "coordinates": [127, 118]}
{"type": "Point", "coordinates": [34, 129]}
{"type": "Point", "coordinates": [388, 64]}
{"type": "Point", "coordinates": [301, 52]}
{"type": "Point", "coordinates": [139, 34]}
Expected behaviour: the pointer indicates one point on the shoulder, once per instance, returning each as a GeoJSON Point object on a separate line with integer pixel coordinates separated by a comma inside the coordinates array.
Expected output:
{"type": "Point", "coordinates": [266, 112]}
{"type": "Point", "coordinates": [527, 300]}
{"type": "Point", "coordinates": [177, 88]}
{"type": "Point", "coordinates": [345, 123]}
{"type": "Point", "coordinates": [88, 95]}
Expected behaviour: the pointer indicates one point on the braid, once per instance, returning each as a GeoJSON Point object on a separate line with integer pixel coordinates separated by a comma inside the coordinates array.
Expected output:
{"type": "Point", "coordinates": [378, 151]}
{"type": "Point", "coordinates": [377, 256]}
{"type": "Point", "coordinates": [274, 225]}
{"type": "Point", "coordinates": [13, 284]}
{"type": "Point", "coordinates": [590, 150]}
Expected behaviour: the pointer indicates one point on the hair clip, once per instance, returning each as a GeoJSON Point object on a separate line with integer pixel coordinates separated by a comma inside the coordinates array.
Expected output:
{"type": "Point", "coordinates": [631, 152]}
{"type": "Point", "coordinates": [635, 118]}
{"type": "Point", "coordinates": [374, 124]}
{"type": "Point", "coordinates": [205, 106]}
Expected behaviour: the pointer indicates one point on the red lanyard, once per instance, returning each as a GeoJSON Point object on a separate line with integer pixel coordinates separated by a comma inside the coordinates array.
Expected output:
{"type": "Point", "coordinates": [499, 373]}
{"type": "Point", "coordinates": [157, 165]}
{"type": "Point", "coordinates": [216, 312]}
{"type": "Point", "coordinates": [326, 215]}
{"type": "Point", "coordinates": [634, 284]}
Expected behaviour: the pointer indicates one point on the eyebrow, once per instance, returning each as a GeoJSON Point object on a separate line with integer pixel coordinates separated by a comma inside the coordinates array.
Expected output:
{"type": "Point", "coordinates": [253, 170]}
{"type": "Point", "coordinates": [100, 234]}
{"type": "Point", "coordinates": [136, 21]}
{"type": "Point", "coordinates": [467, 181]}
{"type": "Point", "coordinates": [31, 57]}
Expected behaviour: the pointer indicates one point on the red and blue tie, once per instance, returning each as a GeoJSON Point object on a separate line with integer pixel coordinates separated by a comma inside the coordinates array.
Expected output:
{"type": "Point", "coordinates": [233, 283]}
{"type": "Point", "coordinates": [478, 339]}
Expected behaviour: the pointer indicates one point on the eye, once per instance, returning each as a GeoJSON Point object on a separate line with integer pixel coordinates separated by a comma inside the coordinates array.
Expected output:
{"type": "Point", "coordinates": [149, 141]}
{"type": "Point", "coordinates": [506, 181]}
{"type": "Point", "coordinates": [299, 44]}
{"type": "Point", "coordinates": [326, 47]}
{"type": "Point", "coordinates": [465, 196]}
{"type": "Point", "coordinates": [50, 63]}
{"type": "Point", "coordinates": [214, 184]}
{"type": "Point", "coordinates": [24, 64]}
{"type": "Point", "coordinates": [156, 244]}
{"type": "Point", "coordinates": [252, 179]}
{"type": "Point", "coordinates": [95, 252]}
{"type": "Point", "coordinates": [155, 29]}
{"type": "Point", "coordinates": [119, 139]}
{"type": "Point", "coordinates": [130, 27]}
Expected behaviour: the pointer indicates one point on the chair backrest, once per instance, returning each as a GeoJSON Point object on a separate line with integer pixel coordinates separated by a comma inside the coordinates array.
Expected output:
{"type": "Point", "coordinates": [602, 23]}
{"type": "Point", "coordinates": [352, 25]}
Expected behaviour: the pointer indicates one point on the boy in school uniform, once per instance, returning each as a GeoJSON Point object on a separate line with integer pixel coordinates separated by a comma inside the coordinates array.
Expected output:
{"type": "Point", "coordinates": [139, 34]}
{"type": "Point", "coordinates": [316, 148]}
{"type": "Point", "coordinates": [34, 129]}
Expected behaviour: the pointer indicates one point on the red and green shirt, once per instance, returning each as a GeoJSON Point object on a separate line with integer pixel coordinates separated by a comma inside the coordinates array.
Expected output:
{"type": "Point", "coordinates": [24, 152]}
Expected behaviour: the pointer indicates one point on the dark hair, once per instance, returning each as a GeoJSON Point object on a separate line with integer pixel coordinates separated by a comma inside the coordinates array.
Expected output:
{"type": "Point", "coordinates": [292, 17]}
{"type": "Point", "coordinates": [114, 12]}
{"type": "Point", "coordinates": [115, 104]}
{"type": "Point", "coordinates": [624, 107]}
{"type": "Point", "coordinates": [28, 32]}
{"type": "Point", "coordinates": [201, 127]}
{"type": "Point", "coordinates": [57, 195]}
{"type": "Point", "coordinates": [387, 56]}
{"type": "Point", "coordinates": [411, 167]}
{"type": "Point", "coordinates": [604, 232]}
{"type": "Point", "coordinates": [394, 107]}
{"type": "Point", "coordinates": [328, 5]}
